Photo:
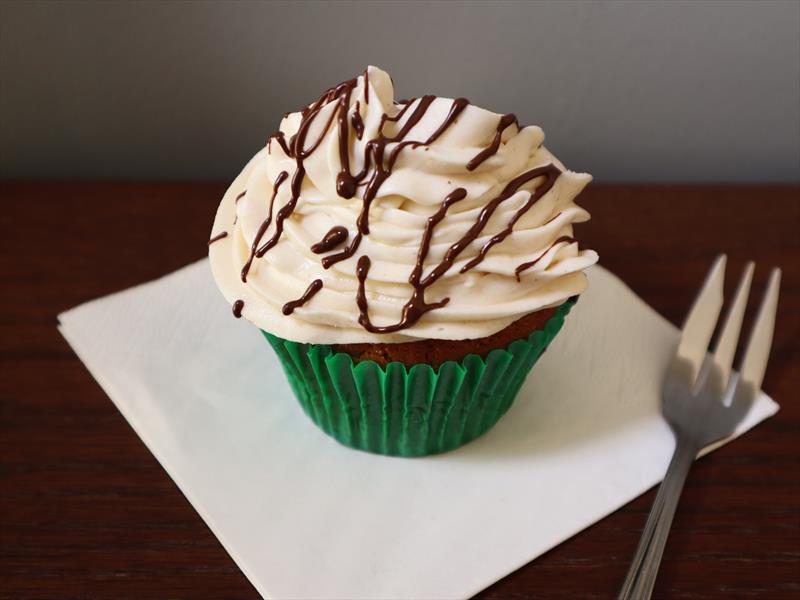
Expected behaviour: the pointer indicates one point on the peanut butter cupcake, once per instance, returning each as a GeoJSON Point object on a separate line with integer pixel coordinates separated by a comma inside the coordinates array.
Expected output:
{"type": "Point", "coordinates": [408, 261]}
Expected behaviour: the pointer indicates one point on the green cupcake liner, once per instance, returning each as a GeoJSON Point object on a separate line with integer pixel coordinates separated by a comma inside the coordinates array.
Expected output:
{"type": "Point", "coordinates": [410, 411]}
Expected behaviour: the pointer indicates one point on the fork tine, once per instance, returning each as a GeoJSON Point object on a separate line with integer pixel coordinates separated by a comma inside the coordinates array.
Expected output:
{"type": "Point", "coordinates": [755, 358]}
{"type": "Point", "coordinates": [702, 318]}
{"type": "Point", "coordinates": [729, 334]}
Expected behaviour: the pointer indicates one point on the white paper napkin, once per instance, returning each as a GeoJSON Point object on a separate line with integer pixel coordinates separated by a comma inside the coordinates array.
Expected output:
{"type": "Point", "coordinates": [304, 517]}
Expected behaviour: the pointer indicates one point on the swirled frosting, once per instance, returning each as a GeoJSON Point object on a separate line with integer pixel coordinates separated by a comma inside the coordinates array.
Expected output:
{"type": "Point", "coordinates": [369, 220]}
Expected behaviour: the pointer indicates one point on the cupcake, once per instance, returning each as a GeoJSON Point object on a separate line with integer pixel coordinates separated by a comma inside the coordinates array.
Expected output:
{"type": "Point", "coordinates": [408, 261]}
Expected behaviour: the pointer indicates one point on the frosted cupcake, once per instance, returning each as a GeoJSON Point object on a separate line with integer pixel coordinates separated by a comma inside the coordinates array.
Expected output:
{"type": "Point", "coordinates": [408, 261]}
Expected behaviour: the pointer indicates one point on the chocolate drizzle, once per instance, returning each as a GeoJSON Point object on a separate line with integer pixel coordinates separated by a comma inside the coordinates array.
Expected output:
{"type": "Point", "coordinates": [218, 237]}
{"type": "Point", "coordinates": [528, 265]}
{"type": "Point", "coordinates": [375, 155]}
{"type": "Point", "coordinates": [239, 197]}
{"type": "Point", "coordinates": [378, 165]}
{"type": "Point", "coordinates": [459, 104]}
{"type": "Point", "coordinates": [264, 225]}
{"type": "Point", "coordinates": [311, 290]}
{"type": "Point", "coordinates": [505, 121]}
{"type": "Point", "coordinates": [376, 149]}
{"type": "Point", "coordinates": [297, 149]}
{"type": "Point", "coordinates": [345, 182]}
{"type": "Point", "coordinates": [550, 172]}
{"type": "Point", "coordinates": [299, 152]}
{"type": "Point", "coordinates": [281, 139]}
{"type": "Point", "coordinates": [333, 238]}
{"type": "Point", "coordinates": [332, 259]}
{"type": "Point", "coordinates": [551, 219]}
{"type": "Point", "coordinates": [237, 308]}
{"type": "Point", "coordinates": [416, 305]}
{"type": "Point", "coordinates": [357, 122]}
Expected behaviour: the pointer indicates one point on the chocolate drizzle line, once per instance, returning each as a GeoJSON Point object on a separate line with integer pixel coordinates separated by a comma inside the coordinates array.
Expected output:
{"type": "Point", "coordinates": [218, 237]}
{"type": "Point", "coordinates": [345, 182]}
{"type": "Point", "coordinates": [505, 121]}
{"type": "Point", "coordinates": [551, 219]}
{"type": "Point", "coordinates": [281, 139]}
{"type": "Point", "coordinates": [416, 305]}
{"type": "Point", "coordinates": [357, 122]}
{"type": "Point", "coordinates": [375, 152]}
{"type": "Point", "coordinates": [377, 148]}
{"type": "Point", "coordinates": [377, 167]}
{"type": "Point", "coordinates": [264, 225]}
{"type": "Point", "coordinates": [459, 104]}
{"type": "Point", "coordinates": [528, 265]}
{"type": "Point", "coordinates": [298, 151]}
{"type": "Point", "coordinates": [333, 238]}
{"type": "Point", "coordinates": [351, 248]}
{"type": "Point", "coordinates": [551, 173]}
{"type": "Point", "coordinates": [311, 290]}
{"type": "Point", "coordinates": [239, 197]}
{"type": "Point", "coordinates": [237, 308]}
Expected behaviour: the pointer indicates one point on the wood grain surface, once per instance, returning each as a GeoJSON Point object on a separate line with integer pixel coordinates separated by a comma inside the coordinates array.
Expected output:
{"type": "Point", "coordinates": [87, 512]}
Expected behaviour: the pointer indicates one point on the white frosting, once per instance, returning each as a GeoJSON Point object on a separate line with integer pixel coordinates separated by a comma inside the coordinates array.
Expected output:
{"type": "Point", "coordinates": [483, 300]}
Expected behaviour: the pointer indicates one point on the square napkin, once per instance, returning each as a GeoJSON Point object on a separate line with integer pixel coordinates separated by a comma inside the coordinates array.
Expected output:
{"type": "Point", "coordinates": [304, 517]}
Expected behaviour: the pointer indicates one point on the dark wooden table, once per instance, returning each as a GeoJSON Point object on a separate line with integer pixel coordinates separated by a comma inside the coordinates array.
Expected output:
{"type": "Point", "coordinates": [86, 511]}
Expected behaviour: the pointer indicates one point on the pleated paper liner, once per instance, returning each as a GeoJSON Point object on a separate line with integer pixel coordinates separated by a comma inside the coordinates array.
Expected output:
{"type": "Point", "coordinates": [410, 411]}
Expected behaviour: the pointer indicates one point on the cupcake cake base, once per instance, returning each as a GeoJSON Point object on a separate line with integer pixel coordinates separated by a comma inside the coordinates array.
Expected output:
{"type": "Point", "coordinates": [366, 399]}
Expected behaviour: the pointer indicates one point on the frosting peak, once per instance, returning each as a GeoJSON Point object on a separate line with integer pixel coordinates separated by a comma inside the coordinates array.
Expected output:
{"type": "Point", "coordinates": [365, 219]}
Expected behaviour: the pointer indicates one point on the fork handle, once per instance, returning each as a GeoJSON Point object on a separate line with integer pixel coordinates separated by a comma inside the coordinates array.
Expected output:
{"type": "Point", "coordinates": [643, 570]}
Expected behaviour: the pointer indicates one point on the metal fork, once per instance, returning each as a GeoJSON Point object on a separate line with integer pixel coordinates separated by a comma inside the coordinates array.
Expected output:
{"type": "Point", "coordinates": [703, 401]}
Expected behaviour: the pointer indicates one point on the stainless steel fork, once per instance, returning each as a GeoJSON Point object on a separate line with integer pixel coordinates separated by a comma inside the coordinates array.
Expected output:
{"type": "Point", "coordinates": [703, 401]}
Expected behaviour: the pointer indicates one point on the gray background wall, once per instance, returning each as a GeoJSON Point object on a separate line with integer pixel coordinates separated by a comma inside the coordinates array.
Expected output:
{"type": "Point", "coordinates": [630, 91]}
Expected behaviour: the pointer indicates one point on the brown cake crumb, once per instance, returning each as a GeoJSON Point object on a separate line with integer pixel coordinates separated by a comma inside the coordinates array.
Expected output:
{"type": "Point", "coordinates": [435, 352]}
